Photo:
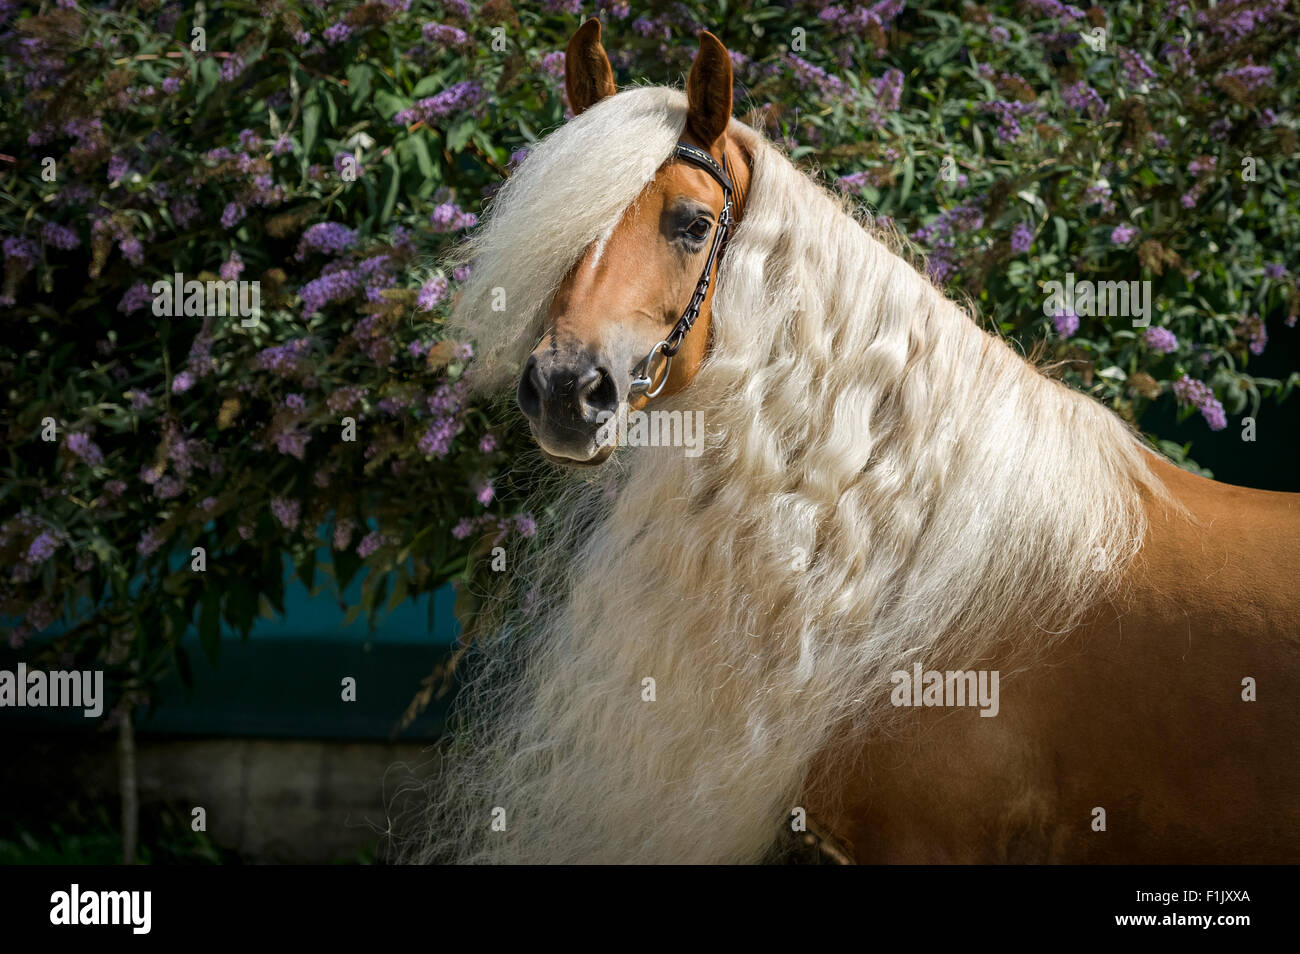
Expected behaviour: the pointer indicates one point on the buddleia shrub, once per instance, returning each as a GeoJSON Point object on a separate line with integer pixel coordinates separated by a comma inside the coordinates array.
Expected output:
{"type": "Point", "coordinates": [331, 152]}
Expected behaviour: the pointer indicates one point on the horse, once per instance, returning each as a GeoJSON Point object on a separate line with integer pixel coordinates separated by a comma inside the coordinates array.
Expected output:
{"type": "Point", "coordinates": [714, 653]}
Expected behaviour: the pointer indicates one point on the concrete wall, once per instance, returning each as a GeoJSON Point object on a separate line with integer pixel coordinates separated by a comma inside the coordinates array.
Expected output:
{"type": "Point", "coordinates": [269, 800]}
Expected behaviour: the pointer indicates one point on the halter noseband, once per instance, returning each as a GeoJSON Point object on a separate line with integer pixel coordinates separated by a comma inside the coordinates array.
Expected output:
{"type": "Point", "coordinates": [642, 377]}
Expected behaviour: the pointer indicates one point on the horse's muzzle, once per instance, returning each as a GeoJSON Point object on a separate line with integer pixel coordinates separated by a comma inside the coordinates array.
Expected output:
{"type": "Point", "coordinates": [566, 397]}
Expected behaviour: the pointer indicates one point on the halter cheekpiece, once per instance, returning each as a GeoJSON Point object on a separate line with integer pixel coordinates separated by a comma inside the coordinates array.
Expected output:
{"type": "Point", "coordinates": [642, 376]}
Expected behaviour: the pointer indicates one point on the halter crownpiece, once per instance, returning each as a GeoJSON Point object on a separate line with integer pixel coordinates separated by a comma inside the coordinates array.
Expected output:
{"type": "Point", "coordinates": [642, 378]}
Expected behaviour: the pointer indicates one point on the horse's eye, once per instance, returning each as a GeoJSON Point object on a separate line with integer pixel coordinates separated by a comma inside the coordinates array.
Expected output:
{"type": "Point", "coordinates": [699, 228]}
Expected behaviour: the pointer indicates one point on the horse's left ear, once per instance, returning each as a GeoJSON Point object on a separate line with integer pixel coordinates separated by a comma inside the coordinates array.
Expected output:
{"type": "Point", "coordinates": [708, 91]}
{"type": "Point", "coordinates": [588, 77]}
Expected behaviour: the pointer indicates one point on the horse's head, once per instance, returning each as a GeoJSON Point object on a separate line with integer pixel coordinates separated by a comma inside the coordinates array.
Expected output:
{"type": "Point", "coordinates": [630, 321]}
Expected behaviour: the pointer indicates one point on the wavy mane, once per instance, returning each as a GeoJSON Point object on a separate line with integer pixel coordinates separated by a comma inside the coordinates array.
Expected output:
{"type": "Point", "coordinates": [882, 482]}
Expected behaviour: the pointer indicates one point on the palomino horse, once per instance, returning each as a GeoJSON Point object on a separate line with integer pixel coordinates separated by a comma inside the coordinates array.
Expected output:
{"type": "Point", "coordinates": [907, 592]}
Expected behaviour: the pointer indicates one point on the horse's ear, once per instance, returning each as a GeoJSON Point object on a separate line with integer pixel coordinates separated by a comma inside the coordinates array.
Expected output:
{"type": "Point", "coordinates": [708, 91]}
{"type": "Point", "coordinates": [588, 77]}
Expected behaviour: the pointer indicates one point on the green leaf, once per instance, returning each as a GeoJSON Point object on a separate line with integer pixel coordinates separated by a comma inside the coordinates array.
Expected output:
{"type": "Point", "coordinates": [311, 112]}
{"type": "Point", "coordinates": [210, 624]}
{"type": "Point", "coordinates": [392, 186]}
{"type": "Point", "coordinates": [419, 149]}
{"type": "Point", "coordinates": [458, 135]}
{"type": "Point", "coordinates": [388, 105]}
{"type": "Point", "coordinates": [359, 76]}
{"type": "Point", "coordinates": [209, 72]}
{"type": "Point", "coordinates": [909, 177]}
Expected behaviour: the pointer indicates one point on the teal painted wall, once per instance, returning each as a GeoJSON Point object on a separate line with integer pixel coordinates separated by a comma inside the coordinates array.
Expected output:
{"type": "Point", "coordinates": [285, 679]}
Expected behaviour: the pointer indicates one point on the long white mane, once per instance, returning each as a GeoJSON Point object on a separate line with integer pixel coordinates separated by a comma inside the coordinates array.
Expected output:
{"type": "Point", "coordinates": [882, 483]}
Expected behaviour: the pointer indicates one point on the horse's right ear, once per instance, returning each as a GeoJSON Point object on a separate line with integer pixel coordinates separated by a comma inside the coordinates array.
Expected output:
{"type": "Point", "coordinates": [588, 77]}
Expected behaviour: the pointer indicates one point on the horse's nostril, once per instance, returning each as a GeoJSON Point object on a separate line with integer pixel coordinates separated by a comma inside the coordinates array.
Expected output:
{"type": "Point", "coordinates": [598, 393]}
{"type": "Point", "coordinates": [531, 390]}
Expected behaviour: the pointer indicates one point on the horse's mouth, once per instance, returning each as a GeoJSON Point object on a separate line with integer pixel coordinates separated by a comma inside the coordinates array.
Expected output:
{"type": "Point", "coordinates": [595, 460]}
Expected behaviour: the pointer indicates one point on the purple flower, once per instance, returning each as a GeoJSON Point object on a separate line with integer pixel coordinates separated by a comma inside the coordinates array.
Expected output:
{"type": "Point", "coordinates": [331, 238]}
{"type": "Point", "coordinates": [437, 439]}
{"type": "Point", "coordinates": [171, 84]}
{"type": "Point", "coordinates": [1122, 234]}
{"type": "Point", "coordinates": [295, 402]}
{"type": "Point", "coordinates": [431, 292]}
{"type": "Point", "coordinates": [1009, 113]}
{"type": "Point", "coordinates": [1136, 69]}
{"type": "Point", "coordinates": [232, 215]}
{"type": "Point", "coordinates": [42, 548]}
{"type": "Point", "coordinates": [232, 267]}
{"type": "Point", "coordinates": [1082, 97]}
{"type": "Point", "coordinates": [331, 287]}
{"type": "Point", "coordinates": [1250, 77]}
{"type": "Point", "coordinates": [1022, 237]}
{"type": "Point", "coordinates": [292, 442]}
{"type": "Point", "coordinates": [136, 297]}
{"type": "Point", "coordinates": [59, 236]}
{"type": "Point", "coordinates": [488, 443]}
{"type": "Point", "coordinates": [1253, 328]}
{"type": "Point", "coordinates": [485, 492]}
{"type": "Point", "coordinates": [455, 99]}
{"type": "Point", "coordinates": [526, 525]}
{"type": "Point", "coordinates": [1238, 19]}
{"type": "Point", "coordinates": [118, 169]}
{"type": "Point", "coordinates": [809, 75]}
{"type": "Point", "coordinates": [444, 35]}
{"type": "Point", "coordinates": [1214, 415]}
{"type": "Point", "coordinates": [182, 382]}
{"type": "Point", "coordinates": [1275, 271]}
{"type": "Point", "coordinates": [231, 67]}
{"type": "Point", "coordinates": [286, 511]}
{"type": "Point", "coordinates": [150, 541]}
{"type": "Point", "coordinates": [1161, 339]}
{"type": "Point", "coordinates": [167, 488]}
{"type": "Point", "coordinates": [888, 90]}
{"type": "Point", "coordinates": [343, 531]}
{"type": "Point", "coordinates": [449, 217]}
{"type": "Point", "coordinates": [282, 358]}
{"type": "Point", "coordinates": [337, 33]}
{"type": "Point", "coordinates": [21, 253]}
{"type": "Point", "coordinates": [1066, 323]}
{"type": "Point", "coordinates": [1054, 9]}
{"type": "Point", "coordinates": [86, 449]}
{"type": "Point", "coordinates": [370, 543]}
{"type": "Point", "coordinates": [184, 210]}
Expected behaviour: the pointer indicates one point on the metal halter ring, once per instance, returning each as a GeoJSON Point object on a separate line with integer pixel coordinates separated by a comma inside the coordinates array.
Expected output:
{"type": "Point", "coordinates": [643, 377]}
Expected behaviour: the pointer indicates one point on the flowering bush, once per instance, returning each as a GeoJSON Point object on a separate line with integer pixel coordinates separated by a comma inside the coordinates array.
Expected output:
{"type": "Point", "coordinates": [330, 151]}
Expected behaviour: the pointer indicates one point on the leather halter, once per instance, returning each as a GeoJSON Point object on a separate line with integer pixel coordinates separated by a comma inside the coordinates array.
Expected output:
{"type": "Point", "coordinates": [642, 376]}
